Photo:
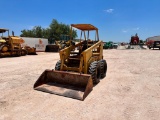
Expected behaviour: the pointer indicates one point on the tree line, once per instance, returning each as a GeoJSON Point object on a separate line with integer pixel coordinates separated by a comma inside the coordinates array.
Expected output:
{"type": "Point", "coordinates": [53, 32]}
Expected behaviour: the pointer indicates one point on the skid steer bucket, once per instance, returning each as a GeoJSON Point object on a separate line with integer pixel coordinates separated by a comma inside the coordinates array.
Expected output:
{"type": "Point", "coordinates": [73, 85]}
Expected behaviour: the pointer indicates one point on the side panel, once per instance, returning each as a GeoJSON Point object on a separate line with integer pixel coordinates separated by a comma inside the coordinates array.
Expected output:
{"type": "Point", "coordinates": [38, 43]}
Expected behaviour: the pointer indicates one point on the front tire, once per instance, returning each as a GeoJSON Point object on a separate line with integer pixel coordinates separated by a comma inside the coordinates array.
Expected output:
{"type": "Point", "coordinates": [94, 70]}
{"type": "Point", "coordinates": [103, 68]}
{"type": "Point", "coordinates": [58, 65]}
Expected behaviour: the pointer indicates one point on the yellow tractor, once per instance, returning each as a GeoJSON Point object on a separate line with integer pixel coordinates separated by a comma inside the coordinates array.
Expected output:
{"type": "Point", "coordinates": [78, 69]}
{"type": "Point", "coordinates": [10, 45]}
{"type": "Point", "coordinates": [30, 50]}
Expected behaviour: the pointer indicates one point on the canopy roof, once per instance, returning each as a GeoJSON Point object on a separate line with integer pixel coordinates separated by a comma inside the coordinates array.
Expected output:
{"type": "Point", "coordinates": [2, 30]}
{"type": "Point", "coordinates": [84, 26]}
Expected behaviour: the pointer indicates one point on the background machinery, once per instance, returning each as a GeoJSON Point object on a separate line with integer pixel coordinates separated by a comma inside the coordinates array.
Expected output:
{"type": "Point", "coordinates": [65, 41]}
{"type": "Point", "coordinates": [134, 40]}
{"type": "Point", "coordinates": [108, 45]}
{"type": "Point", "coordinates": [10, 45]}
{"type": "Point", "coordinates": [153, 44]}
{"type": "Point", "coordinates": [30, 50]}
{"type": "Point", "coordinates": [135, 43]}
{"type": "Point", "coordinates": [78, 69]}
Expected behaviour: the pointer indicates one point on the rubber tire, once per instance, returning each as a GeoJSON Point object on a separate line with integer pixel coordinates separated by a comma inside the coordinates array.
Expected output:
{"type": "Point", "coordinates": [1, 47]}
{"type": "Point", "coordinates": [103, 68]}
{"type": "Point", "coordinates": [58, 65]}
{"type": "Point", "coordinates": [94, 70]}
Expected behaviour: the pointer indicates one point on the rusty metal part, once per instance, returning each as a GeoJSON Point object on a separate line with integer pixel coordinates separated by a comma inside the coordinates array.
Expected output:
{"type": "Point", "coordinates": [84, 26]}
{"type": "Point", "coordinates": [30, 50]}
{"type": "Point", "coordinates": [73, 85]}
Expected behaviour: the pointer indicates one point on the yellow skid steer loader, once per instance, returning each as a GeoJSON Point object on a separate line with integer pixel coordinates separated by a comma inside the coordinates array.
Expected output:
{"type": "Point", "coordinates": [80, 66]}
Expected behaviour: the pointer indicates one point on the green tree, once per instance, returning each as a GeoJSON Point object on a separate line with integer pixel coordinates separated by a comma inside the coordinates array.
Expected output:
{"type": "Point", "coordinates": [53, 32]}
{"type": "Point", "coordinates": [37, 31]}
{"type": "Point", "coordinates": [57, 29]}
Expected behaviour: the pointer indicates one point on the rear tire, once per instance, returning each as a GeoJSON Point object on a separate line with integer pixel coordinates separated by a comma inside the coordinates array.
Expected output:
{"type": "Point", "coordinates": [103, 68]}
{"type": "Point", "coordinates": [58, 65]}
{"type": "Point", "coordinates": [94, 70]}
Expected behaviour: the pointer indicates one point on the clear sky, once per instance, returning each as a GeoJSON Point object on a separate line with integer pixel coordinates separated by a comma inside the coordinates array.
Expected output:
{"type": "Point", "coordinates": [116, 20]}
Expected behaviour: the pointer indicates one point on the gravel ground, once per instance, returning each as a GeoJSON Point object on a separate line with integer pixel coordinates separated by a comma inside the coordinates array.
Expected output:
{"type": "Point", "coordinates": [130, 91]}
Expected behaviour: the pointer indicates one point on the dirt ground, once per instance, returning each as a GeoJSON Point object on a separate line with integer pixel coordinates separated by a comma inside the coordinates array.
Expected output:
{"type": "Point", "coordinates": [130, 91]}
